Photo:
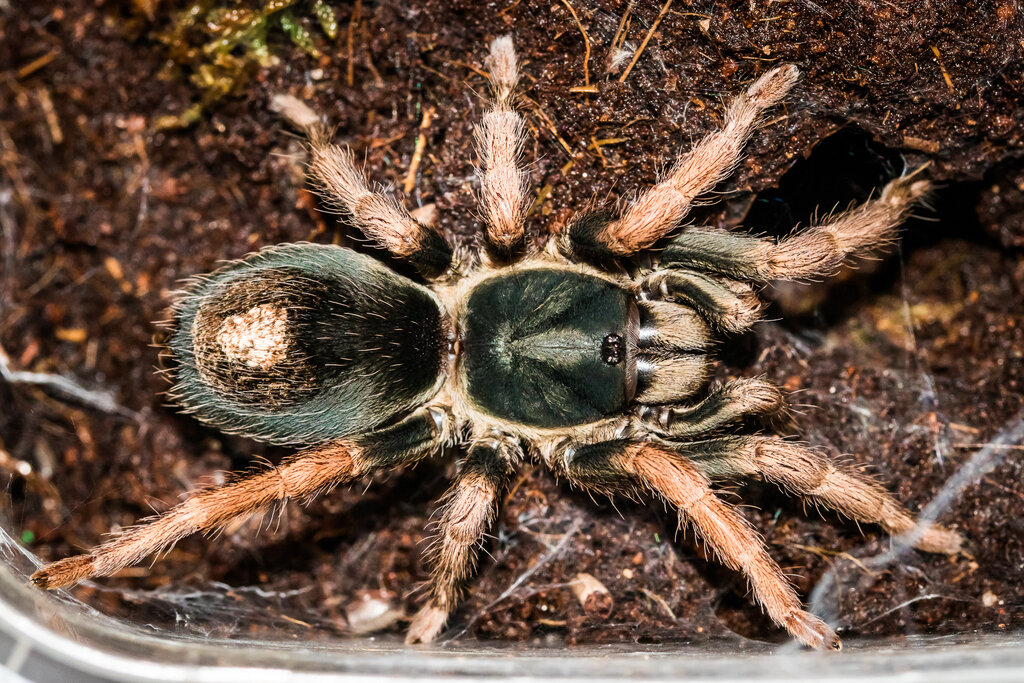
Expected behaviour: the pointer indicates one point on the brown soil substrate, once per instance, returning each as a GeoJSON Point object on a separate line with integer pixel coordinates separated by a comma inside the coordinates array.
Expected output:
{"type": "Point", "coordinates": [910, 365]}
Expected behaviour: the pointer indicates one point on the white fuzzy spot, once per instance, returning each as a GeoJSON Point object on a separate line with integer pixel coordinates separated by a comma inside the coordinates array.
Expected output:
{"type": "Point", "coordinates": [621, 56]}
{"type": "Point", "coordinates": [258, 337]}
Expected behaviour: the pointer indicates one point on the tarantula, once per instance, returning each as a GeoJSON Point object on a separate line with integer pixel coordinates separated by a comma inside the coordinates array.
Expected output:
{"type": "Point", "coordinates": [598, 370]}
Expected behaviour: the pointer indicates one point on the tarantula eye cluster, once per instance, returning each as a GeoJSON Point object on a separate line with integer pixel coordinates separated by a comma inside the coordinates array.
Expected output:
{"type": "Point", "coordinates": [548, 354]}
{"type": "Point", "coordinates": [612, 349]}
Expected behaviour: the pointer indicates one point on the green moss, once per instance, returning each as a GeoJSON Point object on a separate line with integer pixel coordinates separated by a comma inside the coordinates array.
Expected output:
{"type": "Point", "coordinates": [325, 15]}
{"type": "Point", "coordinates": [218, 48]}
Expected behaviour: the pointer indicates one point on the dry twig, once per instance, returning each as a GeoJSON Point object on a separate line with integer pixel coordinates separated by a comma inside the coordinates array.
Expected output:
{"type": "Point", "coordinates": [647, 39]}
{"type": "Point", "coordinates": [586, 46]}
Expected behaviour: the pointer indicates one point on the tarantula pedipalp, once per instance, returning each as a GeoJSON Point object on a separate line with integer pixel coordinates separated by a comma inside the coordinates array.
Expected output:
{"type": "Point", "coordinates": [554, 354]}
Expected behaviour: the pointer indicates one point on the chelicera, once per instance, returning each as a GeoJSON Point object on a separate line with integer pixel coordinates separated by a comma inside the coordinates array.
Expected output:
{"type": "Point", "coordinates": [590, 355]}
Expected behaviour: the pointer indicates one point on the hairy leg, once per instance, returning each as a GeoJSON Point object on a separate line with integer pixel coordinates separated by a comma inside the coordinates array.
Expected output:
{"type": "Point", "coordinates": [804, 472]}
{"type": "Point", "coordinates": [664, 206]}
{"type": "Point", "coordinates": [500, 138]}
{"type": "Point", "coordinates": [303, 475]}
{"type": "Point", "coordinates": [381, 218]}
{"type": "Point", "coordinates": [729, 305]}
{"type": "Point", "coordinates": [468, 512]}
{"type": "Point", "coordinates": [723, 407]}
{"type": "Point", "coordinates": [815, 252]}
{"type": "Point", "coordinates": [618, 465]}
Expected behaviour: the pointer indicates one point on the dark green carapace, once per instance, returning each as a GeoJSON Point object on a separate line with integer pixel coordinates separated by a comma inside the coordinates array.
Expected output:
{"type": "Point", "coordinates": [301, 344]}
{"type": "Point", "coordinates": [545, 347]}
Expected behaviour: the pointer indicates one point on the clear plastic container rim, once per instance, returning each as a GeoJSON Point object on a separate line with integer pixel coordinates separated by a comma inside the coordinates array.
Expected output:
{"type": "Point", "coordinates": [54, 631]}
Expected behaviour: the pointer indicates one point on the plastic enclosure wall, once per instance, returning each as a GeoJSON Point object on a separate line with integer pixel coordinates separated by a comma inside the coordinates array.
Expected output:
{"type": "Point", "coordinates": [51, 636]}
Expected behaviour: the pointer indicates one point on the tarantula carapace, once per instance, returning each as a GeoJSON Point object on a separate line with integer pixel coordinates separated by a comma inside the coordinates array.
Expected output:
{"type": "Point", "coordinates": [558, 354]}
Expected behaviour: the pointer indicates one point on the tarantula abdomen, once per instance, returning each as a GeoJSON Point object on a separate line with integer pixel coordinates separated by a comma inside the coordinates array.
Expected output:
{"type": "Point", "coordinates": [301, 344]}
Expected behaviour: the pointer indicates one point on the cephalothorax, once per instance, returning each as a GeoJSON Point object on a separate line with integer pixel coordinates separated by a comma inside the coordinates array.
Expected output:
{"type": "Point", "coordinates": [556, 354]}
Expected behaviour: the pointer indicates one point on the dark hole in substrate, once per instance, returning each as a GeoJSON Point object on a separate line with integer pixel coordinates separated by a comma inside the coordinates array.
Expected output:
{"type": "Point", "coordinates": [848, 168]}
{"type": "Point", "coordinates": [845, 167]}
